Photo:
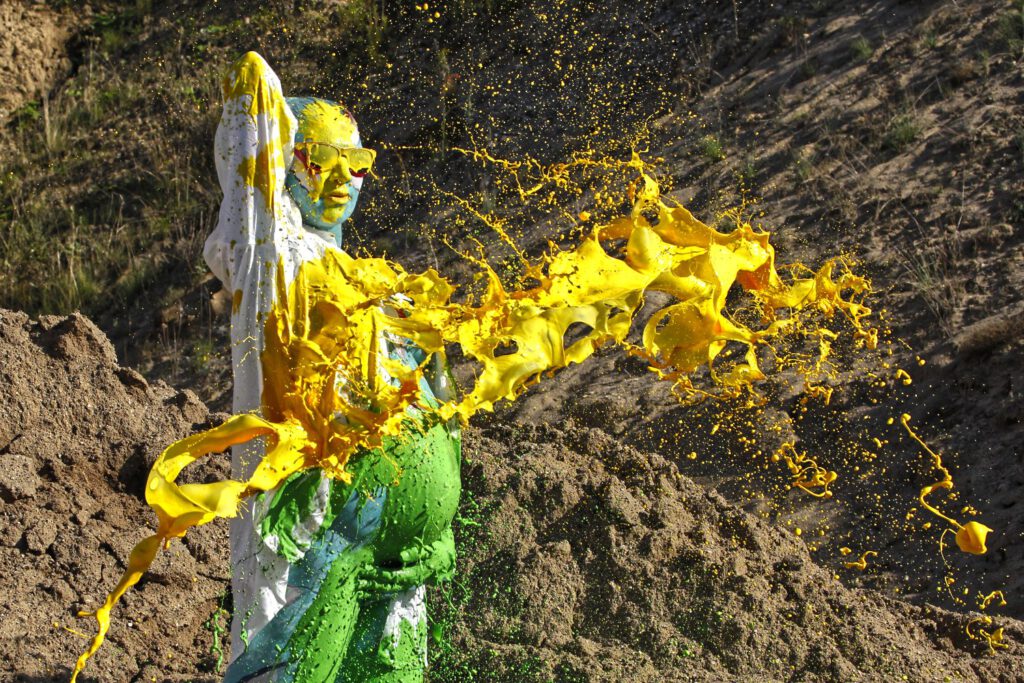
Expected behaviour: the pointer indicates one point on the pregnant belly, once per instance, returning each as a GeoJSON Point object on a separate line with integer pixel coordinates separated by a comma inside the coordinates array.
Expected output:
{"type": "Point", "coordinates": [422, 490]}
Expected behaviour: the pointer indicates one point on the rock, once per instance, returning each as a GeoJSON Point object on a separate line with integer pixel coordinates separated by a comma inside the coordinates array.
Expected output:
{"type": "Point", "coordinates": [18, 478]}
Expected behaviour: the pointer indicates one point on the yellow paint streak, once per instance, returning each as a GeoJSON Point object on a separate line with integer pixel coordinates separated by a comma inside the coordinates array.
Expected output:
{"type": "Point", "coordinates": [261, 171]}
{"type": "Point", "coordinates": [993, 638]}
{"type": "Point", "coordinates": [861, 563]}
{"type": "Point", "coordinates": [807, 474]}
{"type": "Point", "coordinates": [180, 507]}
{"type": "Point", "coordinates": [72, 631]}
{"type": "Point", "coordinates": [985, 600]}
{"type": "Point", "coordinates": [970, 537]}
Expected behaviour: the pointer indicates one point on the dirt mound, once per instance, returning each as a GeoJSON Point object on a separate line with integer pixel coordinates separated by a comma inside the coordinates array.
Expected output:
{"type": "Point", "coordinates": [33, 52]}
{"type": "Point", "coordinates": [598, 562]}
{"type": "Point", "coordinates": [77, 436]}
{"type": "Point", "coordinates": [581, 559]}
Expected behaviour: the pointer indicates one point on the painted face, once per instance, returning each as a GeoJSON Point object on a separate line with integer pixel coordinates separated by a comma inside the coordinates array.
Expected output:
{"type": "Point", "coordinates": [328, 165]}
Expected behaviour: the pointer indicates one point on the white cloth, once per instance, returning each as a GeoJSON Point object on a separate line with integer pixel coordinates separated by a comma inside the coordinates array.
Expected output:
{"type": "Point", "coordinates": [244, 251]}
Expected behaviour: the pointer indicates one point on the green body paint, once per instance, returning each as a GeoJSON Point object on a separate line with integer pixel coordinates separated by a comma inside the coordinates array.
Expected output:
{"type": "Point", "coordinates": [342, 636]}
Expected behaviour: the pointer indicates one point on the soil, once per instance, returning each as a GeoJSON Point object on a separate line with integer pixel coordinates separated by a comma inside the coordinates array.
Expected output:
{"type": "Point", "coordinates": [600, 562]}
{"type": "Point", "coordinates": [33, 52]}
{"type": "Point", "coordinates": [583, 559]}
{"type": "Point", "coordinates": [77, 438]}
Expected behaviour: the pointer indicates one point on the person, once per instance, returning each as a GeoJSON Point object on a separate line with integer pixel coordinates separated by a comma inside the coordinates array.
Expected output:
{"type": "Point", "coordinates": [328, 577]}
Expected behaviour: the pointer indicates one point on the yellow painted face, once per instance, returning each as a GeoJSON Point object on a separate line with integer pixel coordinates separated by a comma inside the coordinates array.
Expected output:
{"type": "Point", "coordinates": [329, 157]}
{"type": "Point", "coordinates": [331, 172]}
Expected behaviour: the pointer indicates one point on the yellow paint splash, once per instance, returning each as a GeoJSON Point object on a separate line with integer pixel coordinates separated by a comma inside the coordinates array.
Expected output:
{"type": "Point", "coordinates": [861, 563]}
{"type": "Point", "coordinates": [320, 357]}
{"type": "Point", "coordinates": [985, 600]}
{"type": "Point", "coordinates": [260, 171]}
{"type": "Point", "coordinates": [991, 637]}
{"type": "Point", "coordinates": [970, 537]}
{"type": "Point", "coordinates": [322, 122]}
{"type": "Point", "coordinates": [807, 474]}
{"type": "Point", "coordinates": [180, 507]}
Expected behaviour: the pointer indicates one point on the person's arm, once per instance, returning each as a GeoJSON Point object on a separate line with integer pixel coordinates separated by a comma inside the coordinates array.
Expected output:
{"type": "Point", "coordinates": [432, 563]}
{"type": "Point", "coordinates": [252, 149]}
{"type": "Point", "coordinates": [259, 227]}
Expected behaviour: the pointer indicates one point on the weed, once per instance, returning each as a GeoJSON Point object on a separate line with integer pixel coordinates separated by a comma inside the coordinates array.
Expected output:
{"type": "Point", "coordinates": [85, 146]}
{"type": "Point", "coordinates": [710, 148]}
{"type": "Point", "coordinates": [26, 116]}
{"type": "Point", "coordinates": [932, 274]}
{"type": "Point", "coordinates": [747, 175]}
{"type": "Point", "coordinates": [792, 30]}
{"type": "Point", "coordinates": [202, 351]}
{"type": "Point", "coordinates": [1009, 31]}
{"type": "Point", "coordinates": [802, 167]}
{"type": "Point", "coordinates": [861, 49]}
{"type": "Point", "coordinates": [217, 630]}
{"type": "Point", "coordinates": [903, 129]}
{"type": "Point", "coordinates": [367, 22]}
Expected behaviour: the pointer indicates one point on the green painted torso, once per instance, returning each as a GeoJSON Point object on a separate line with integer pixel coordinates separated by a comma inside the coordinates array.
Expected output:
{"type": "Point", "coordinates": [420, 473]}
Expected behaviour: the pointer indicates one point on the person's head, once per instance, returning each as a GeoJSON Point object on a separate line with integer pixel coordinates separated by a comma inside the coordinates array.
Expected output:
{"type": "Point", "coordinates": [328, 163]}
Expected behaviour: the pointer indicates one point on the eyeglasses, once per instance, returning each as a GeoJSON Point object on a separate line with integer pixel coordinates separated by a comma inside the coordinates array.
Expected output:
{"type": "Point", "coordinates": [323, 156]}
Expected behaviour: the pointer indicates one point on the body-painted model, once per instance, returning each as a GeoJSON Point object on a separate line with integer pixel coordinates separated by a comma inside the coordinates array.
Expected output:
{"type": "Point", "coordinates": [327, 576]}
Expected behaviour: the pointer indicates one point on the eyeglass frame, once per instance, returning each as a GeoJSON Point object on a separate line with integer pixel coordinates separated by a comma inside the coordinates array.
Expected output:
{"type": "Point", "coordinates": [304, 158]}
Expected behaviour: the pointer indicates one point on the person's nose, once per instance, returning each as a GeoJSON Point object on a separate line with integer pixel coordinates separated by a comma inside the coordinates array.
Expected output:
{"type": "Point", "coordinates": [343, 172]}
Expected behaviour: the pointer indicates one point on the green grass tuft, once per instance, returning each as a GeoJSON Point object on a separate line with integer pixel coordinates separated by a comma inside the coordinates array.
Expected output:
{"type": "Point", "coordinates": [902, 131]}
{"type": "Point", "coordinates": [861, 49]}
{"type": "Point", "coordinates": [710, 148]}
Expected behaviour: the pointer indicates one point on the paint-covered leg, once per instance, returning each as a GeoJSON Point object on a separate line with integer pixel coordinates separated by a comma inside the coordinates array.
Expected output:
{"type": "Point", "coordinates": [390, 642]}
{"type": "Point", "coordinates": [420, 564]}
{"type": "Point", "coordinates": [318, 647]}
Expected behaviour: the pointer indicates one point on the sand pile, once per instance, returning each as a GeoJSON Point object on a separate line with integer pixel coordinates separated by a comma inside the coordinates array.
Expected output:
{"type": "Point", "coordinates": [581, 559]}
{"type": "Point", "coordinates": [77, 436]}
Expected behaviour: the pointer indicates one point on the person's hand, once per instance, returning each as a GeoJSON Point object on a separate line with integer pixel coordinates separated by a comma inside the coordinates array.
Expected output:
{"type": "Point", "coordinates": [420, 564]}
